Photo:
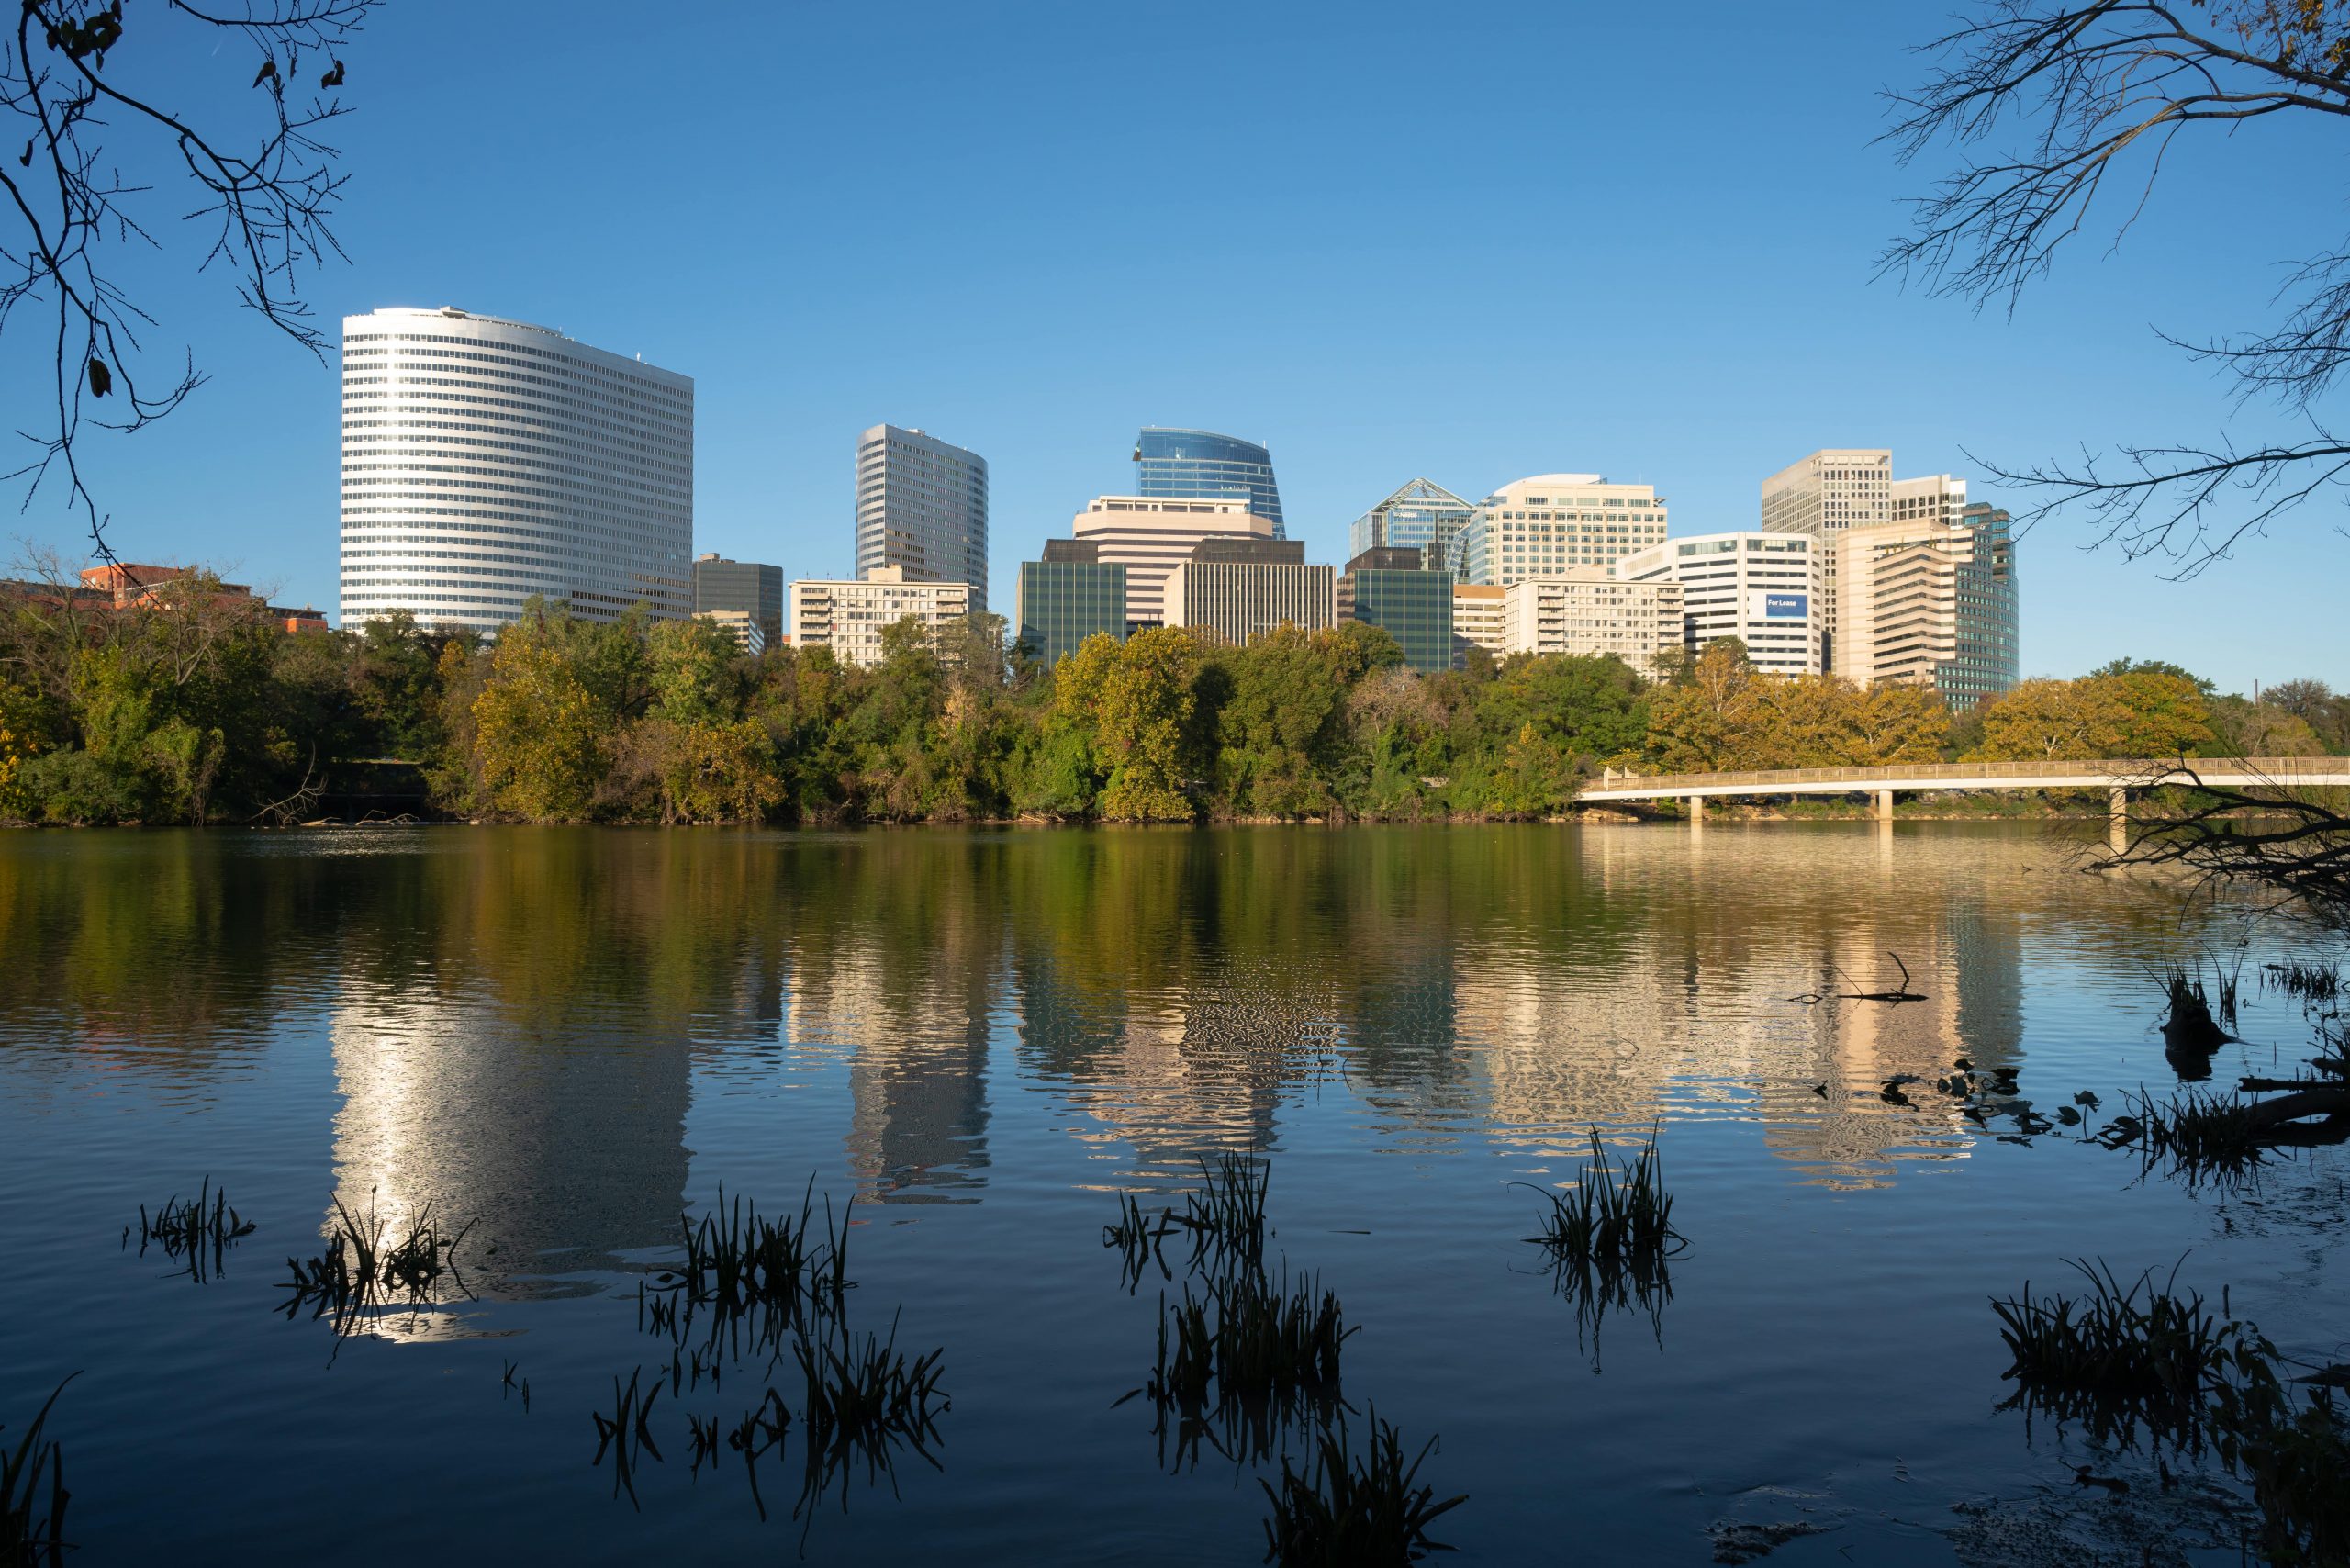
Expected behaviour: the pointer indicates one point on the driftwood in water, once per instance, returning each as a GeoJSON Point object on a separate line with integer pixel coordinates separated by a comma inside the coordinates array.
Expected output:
{"type": "Point", "coordinates": [1901, 993]}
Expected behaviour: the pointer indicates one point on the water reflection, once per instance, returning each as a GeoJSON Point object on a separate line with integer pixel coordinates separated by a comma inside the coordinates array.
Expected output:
{"type": "Point", "coordinates": [518, 1018]}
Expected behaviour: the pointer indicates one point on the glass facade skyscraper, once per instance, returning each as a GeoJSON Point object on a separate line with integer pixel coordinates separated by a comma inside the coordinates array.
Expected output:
{"type": "Point", "coordinates": [1203, 464]}
{"type": "Point", "coordinates": [1422, 513]}
{"type": "Point", "coordinates": [922, 506]}
{"type": "Point", "coordinates": [1987, 661]}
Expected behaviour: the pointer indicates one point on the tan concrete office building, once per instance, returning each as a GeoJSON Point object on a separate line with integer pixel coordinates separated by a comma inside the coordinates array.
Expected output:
{"type": "Point", "coordinates": [1588, 611]}
{"type": "Point", "coordinates": [1480, 618]}
{"type": "Point", "coordinates": [741, 624]}
{"type": "Point", "coordinates": [1152, 535]}
{"type": "Point", "coordinates": [1925, 603]}
{"type": "Point", "coordinates": [847, 616]}
{"type": "Point", "coordinates": [1236, 591]}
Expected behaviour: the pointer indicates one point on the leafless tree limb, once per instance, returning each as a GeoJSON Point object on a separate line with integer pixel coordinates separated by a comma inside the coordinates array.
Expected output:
{"type": "Point", "coordinates": [264, 198]}
{"type": "Point", "coordinates": [2095, 95]}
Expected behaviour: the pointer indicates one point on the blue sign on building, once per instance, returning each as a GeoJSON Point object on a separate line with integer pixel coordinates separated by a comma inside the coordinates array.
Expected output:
{"type": "Point", "coordinates": [1785, 606]}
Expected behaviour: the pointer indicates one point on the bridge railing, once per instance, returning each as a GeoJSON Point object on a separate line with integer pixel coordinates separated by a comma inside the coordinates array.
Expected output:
{"type": "Point", "coordinates": [2118, 770]}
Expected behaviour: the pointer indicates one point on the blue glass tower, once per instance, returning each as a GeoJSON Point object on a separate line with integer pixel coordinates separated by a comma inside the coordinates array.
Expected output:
{"type": "Point", "coordinates": [1203, 464]}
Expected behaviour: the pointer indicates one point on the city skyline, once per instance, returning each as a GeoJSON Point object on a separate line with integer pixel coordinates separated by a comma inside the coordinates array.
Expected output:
{"type": "Point", "coordinates": [1681, 360]}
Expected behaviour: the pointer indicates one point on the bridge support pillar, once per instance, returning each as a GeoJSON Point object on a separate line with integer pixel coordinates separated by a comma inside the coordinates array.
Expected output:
{"type": "Point", "coordinates": [1696, 812]}
{"type": "Point", "coordinates": [2117, 809]}
{"type": "Point", "coordinates": [1885, 805]}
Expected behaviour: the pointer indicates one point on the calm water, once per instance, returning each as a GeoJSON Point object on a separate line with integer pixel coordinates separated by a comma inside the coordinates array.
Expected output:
{"type": "Point", "coordinates": [981, 1038]}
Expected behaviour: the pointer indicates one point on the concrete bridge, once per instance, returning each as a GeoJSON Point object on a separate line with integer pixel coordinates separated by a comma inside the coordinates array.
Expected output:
{"type": "Point", "coordinates": [2117, 775]}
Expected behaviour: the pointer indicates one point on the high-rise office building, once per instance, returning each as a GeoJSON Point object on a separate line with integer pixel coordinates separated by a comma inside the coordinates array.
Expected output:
{"type": "Point", "coordinates": [1067, 597]}
{"type": "Point", "coordinates": [1202, 465]}
{"type": "Point", "coordinates": [1938, 496]}
{"type": "Point", "coordinates": [1395, 590]}
{"type": "Point", "coordinates": [1824, 494]}
{"type": "Point", "coordinates": [1554, 522]}
{"type": "Point", "coordinates": [1237, 589]}
{"type": "Point", "coordinates": [1925, 603]}
{"type": "Point", "coordinates": [1584, 611]}
{"type": "Point", "coordinates": [1150, 537]}
{"type": "Point", "coordinates": [1420, 515]}
{"type": "Point", "coordinates": [1759, 587]}
{"type": "Point", "coordinates": [922, 506]}
{"type": "Point", "coordinates": [486, 462]}
{"type": "Point", "coordinates": [849, 617]}
{"type": "Point", "coordinates": [754, 589]}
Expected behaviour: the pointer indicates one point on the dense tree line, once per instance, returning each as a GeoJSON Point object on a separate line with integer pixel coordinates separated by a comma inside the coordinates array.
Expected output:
{"type": "Point", "coordinates": [193, 705]}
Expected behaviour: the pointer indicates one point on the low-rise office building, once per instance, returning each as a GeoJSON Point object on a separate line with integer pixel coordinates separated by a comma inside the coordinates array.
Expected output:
{"type": "Point", "coordinates": [739, 625]}
{"type": "Point", "coordinates": [1395, 590]}
{"type": "Point", "coordinates": [1759, 587]}
{"type": "Point", "coordinates": [1152, 535]}
{"type": "Point", "coordinates": [1067, 597]}
{"type": "Point", "coordinates": [1480, 618]}
{"type": "Point", "coordinates": [1588, 611]}
{"type": "Point", "coordinates": [847, 616]}
{"type": "Point", "coordinates": [1237, 589]}
{"type": "Point", "coordinates": [751, 588]}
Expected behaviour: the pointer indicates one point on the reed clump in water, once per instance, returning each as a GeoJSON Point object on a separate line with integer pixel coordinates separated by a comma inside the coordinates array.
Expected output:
{"type": "Point", "coordinates": [626, 1434]}
{"type": "Point", "coordinates": [2122, 1355]}
{"type": "Point", "coordinates": [1139, 1241]}
{"type": "Point", "coordinates": [862, 1400]}
{"type": "Point", "coordinates": [2125, 1356]}
{"type": "Point", "coordinates": [1355, 1509]}
{"type": "Point", "coordinates": [367, 1264]}
{"type": "Point", "coordinates": [1614, 1217]}
{"type": "Point", "coordinates": [2190, 1023]}
{"type": "Point", "coordinates": [2305, 982]}
{"type": "Point", "coordinates": [197, 1232]}
{"type": "Point", "coordinates": [737, 1257]}
{"type": "Point", "coordinates": [1226, 1216]}
{"type": "Point", "coordinates": [2197, 1134]}
{"type": "Point", "coordinates": [33, 1495]}
{"type": "Point", "coordinates": [1262, 1340]}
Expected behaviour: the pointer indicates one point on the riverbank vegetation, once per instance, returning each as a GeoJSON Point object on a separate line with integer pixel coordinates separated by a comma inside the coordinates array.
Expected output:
{"type": "Point", "coordinates": [194, 706]}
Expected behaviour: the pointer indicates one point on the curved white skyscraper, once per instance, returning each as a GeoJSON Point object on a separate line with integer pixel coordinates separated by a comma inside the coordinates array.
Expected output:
{"type": "Point", "coordinates": [485, 461]}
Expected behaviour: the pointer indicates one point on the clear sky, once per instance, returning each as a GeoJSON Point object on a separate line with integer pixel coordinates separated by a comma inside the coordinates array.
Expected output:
{"type": "Point", "coordinates": [1468, 243]}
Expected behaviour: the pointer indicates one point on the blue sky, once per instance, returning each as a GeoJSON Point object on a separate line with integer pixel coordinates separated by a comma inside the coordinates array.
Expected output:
{"type": "Point", "coordinates": [1468, 243]}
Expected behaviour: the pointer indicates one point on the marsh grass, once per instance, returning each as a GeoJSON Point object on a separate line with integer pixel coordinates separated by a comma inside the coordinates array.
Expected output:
{"type": "Point", "coordinates": [1362, 1510]}
{"type": "Point", "coordinates": [2305, 982]}
{"type": "Point", "coordinates": [2191, 1023]}
{"type": "Point", "coordinates": [1226, 1216]}
{"type": "Point", "coordinates": [1139, 1241]}
{"type": "Point", "coordinates": [1238, 1367]}
{"type": "Point", "coordinates": [367, 1266]}
{"type": "Point", "coordinates": [627, 1434]}
{"type": "Point", "coordinates": [1615, 1217]}
{"type": "Point", "coordinates": [2197, 1134]}
{"type": "Point", "coordinates": [2126, 1356]}
{"type": "Point", "coordinates": [863, 1403]}
{"type": "Point", "coordinates": [738, 1258]}
{"type": "Point", "coordinates": [193, 1232]}
{"type": "Point", "coordinates": [33, 1495]}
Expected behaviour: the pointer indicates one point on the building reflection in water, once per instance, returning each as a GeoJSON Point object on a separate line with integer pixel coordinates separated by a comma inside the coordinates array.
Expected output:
{"type": "Point", "coordinates": [1174, 994]}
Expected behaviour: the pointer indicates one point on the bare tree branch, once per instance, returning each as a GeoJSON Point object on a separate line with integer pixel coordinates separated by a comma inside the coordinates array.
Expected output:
{"type": "Point", "coordinates": [67, 212]}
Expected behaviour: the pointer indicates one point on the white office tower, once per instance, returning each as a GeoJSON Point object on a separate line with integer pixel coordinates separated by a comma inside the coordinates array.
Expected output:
{"type": "Point", "coordinates": [1759, 587]}
{"type": "Point", "coordinates": [1552, 523]}
{"type": "Point", "coordinates": [486, 461]}
{"type": "Point", "coordinates": [1824, 494]}
{"type": "Point", "coordinates": [922, 506]}
{"type": "Point", "coordinates": [1152, 535]}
